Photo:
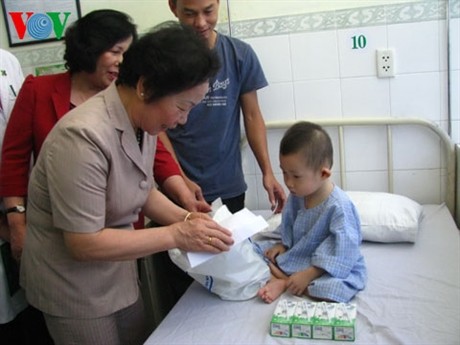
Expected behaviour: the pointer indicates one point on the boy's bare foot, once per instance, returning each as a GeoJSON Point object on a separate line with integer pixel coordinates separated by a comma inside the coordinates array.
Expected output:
{"type": "Point", "coordinates": [272, 290]}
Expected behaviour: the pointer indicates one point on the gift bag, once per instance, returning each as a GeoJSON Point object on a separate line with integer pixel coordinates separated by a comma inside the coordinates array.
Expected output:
{"type": "Point", "coordinates": [235, 275]}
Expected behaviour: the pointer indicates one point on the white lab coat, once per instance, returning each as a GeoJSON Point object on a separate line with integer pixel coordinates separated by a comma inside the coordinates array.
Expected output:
{"type": "Point", "coordinates": [11, 78]}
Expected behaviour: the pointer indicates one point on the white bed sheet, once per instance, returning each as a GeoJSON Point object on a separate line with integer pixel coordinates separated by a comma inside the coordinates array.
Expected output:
{"type": "Point", "coordinates": [412, 297]}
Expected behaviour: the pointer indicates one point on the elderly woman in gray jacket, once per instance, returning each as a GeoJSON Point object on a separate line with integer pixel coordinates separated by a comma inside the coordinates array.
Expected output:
{"type": "Point", "coordinates": [92, 178]}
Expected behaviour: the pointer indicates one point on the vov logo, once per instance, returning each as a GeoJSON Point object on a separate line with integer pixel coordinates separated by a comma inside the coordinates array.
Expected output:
{"type": "Point", "coordinates": [38, 21]}
{"type": "Point", "coordinates": [39, 25]}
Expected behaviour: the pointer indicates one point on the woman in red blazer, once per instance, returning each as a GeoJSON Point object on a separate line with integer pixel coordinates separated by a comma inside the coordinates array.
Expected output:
{"type": "Point", "coordinates": [94, 48]}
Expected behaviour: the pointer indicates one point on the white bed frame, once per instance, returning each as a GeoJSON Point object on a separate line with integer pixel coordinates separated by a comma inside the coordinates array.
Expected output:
{"type": "Point", "coordinates": [200, 298]}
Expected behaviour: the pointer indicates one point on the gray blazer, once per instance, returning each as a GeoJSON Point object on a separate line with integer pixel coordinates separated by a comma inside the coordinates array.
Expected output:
{"type": "Point", "coordinates": [90, 174]}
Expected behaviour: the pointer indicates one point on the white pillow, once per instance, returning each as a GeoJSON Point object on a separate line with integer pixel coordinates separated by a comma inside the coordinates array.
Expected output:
{"type": "Point", "coordinates": [387, 217]}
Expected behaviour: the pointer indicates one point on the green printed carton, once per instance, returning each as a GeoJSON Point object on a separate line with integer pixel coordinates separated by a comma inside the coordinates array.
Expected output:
{"type": "Point", "coordinates": [314, 320]}
{"type": "Point", "coordinates": [344, 322]}
{"type": "Point", "coordinates": [323, 326]}
{"type": "Point", "coordinates": [302, 320]}
{"type": "Point", "coordinates": [280, 325]}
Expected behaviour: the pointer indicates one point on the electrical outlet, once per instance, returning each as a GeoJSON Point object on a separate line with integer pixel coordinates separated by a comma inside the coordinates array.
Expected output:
{"type": "Point", "coordinates": [385, 63]}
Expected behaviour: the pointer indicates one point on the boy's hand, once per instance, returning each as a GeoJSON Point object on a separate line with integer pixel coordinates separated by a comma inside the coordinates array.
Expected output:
{"type": "Point", "coordinates": [274, 251]}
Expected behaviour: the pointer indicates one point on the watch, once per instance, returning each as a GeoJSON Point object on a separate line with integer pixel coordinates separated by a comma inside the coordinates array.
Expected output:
{"type": "Point", "coordinates": [16, 209]}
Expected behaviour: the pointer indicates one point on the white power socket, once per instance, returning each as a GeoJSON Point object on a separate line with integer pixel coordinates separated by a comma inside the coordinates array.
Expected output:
{"type": "Point", "coordinates": [385, 63]}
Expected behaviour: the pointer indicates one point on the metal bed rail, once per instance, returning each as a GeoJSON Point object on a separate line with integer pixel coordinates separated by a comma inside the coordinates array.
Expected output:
{"type": "Point", "coordinates": [447, 144]}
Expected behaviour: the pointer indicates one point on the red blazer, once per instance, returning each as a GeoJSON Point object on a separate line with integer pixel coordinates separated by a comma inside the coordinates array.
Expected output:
{"type": "Point", "coordinates": [41, 102]}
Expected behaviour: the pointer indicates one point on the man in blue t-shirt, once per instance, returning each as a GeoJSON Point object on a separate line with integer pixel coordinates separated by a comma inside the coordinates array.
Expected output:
{"type": "Point", "coordinates": [207, 146]}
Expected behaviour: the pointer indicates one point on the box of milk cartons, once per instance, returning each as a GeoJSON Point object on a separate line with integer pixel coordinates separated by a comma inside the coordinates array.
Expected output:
{"type": "Point", "coordinates": [314, 320]}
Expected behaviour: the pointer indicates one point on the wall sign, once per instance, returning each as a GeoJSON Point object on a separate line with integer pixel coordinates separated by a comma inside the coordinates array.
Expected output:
{"type": "Point", "coordinates": [359, 42]}
{"type": "Point", "coordinates": [38, 21]}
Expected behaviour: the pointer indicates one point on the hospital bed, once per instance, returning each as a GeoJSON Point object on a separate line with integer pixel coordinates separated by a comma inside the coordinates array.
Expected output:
{"type": "Point", "coordinates": [413, 290]}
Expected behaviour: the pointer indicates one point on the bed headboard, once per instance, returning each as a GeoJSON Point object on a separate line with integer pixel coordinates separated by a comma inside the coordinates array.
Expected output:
{"type": "Point", "coordinates": [407, 156]}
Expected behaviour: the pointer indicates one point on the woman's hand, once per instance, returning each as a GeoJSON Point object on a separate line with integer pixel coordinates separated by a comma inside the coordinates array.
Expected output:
{"type": "Point", "coordinates": [17, 226]}
{"type": "Point", "coordinates": [197, 215]}
{"type": "Point", "coordinates": [200, 202]}
{"type": "Point", "coordinates": [189, 202]}
{"type": "Point", "coordinates": [201, 234]}
{"type": "Point", "coordinates": [176, 188]}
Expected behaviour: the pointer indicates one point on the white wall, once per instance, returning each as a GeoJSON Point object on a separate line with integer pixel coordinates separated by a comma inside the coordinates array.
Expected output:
{"type": "Point", "coordinates": [315, 73]}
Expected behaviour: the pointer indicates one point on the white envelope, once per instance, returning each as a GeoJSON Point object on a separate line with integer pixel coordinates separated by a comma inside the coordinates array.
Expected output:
{"type": "Point", "coordinates": [242, 224]}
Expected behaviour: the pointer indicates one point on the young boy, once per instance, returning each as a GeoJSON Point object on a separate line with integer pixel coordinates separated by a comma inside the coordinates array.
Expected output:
{"type": "Point", "coordinates": [319, 255]}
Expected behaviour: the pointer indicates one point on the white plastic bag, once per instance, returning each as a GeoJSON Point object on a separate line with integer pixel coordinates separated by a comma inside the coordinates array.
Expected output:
{"type": "Point", "coordinates": [235, 275]}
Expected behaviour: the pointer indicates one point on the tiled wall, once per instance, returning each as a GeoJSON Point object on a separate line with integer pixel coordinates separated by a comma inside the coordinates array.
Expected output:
{"type": "Point", "coordinates": [314, 73]}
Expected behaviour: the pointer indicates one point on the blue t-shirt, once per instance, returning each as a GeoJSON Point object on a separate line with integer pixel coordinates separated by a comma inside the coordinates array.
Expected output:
{"type": "Point", "coordinates": [208, 145]}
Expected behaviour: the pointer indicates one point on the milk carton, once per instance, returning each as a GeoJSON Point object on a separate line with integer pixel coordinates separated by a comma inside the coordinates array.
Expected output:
{"type": "Point", "coordinates": [280, 325]}
{"type": "Point", "coordinates": [322, 326]}
{"type": "Point", "coordinates": [302, 319]}
{"type": "Point", "coordinates": [344, 322]}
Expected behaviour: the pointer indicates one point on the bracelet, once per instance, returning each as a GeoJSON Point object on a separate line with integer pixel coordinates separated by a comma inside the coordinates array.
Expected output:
{"type": "Point", "coordinates": [187, 217]}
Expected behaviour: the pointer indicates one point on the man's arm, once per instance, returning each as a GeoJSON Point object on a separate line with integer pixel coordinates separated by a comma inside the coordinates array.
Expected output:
{"type": "Point", "coordinates": [257, 138]}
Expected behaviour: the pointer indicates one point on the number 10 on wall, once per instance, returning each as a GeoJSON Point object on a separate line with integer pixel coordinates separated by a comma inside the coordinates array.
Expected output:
{"type": "Point", "coordinates": [359, 42]}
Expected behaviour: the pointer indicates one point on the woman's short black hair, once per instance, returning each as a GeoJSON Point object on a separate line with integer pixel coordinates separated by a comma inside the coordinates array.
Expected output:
{"type": "Point", "coordinates": [92, 35]}
{"type": "Point", "coordinates": [171, 58]}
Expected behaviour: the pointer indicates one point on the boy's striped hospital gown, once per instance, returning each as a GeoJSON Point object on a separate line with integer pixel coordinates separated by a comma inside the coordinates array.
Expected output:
{"type": "Point", "coordinates": [327, 236]}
